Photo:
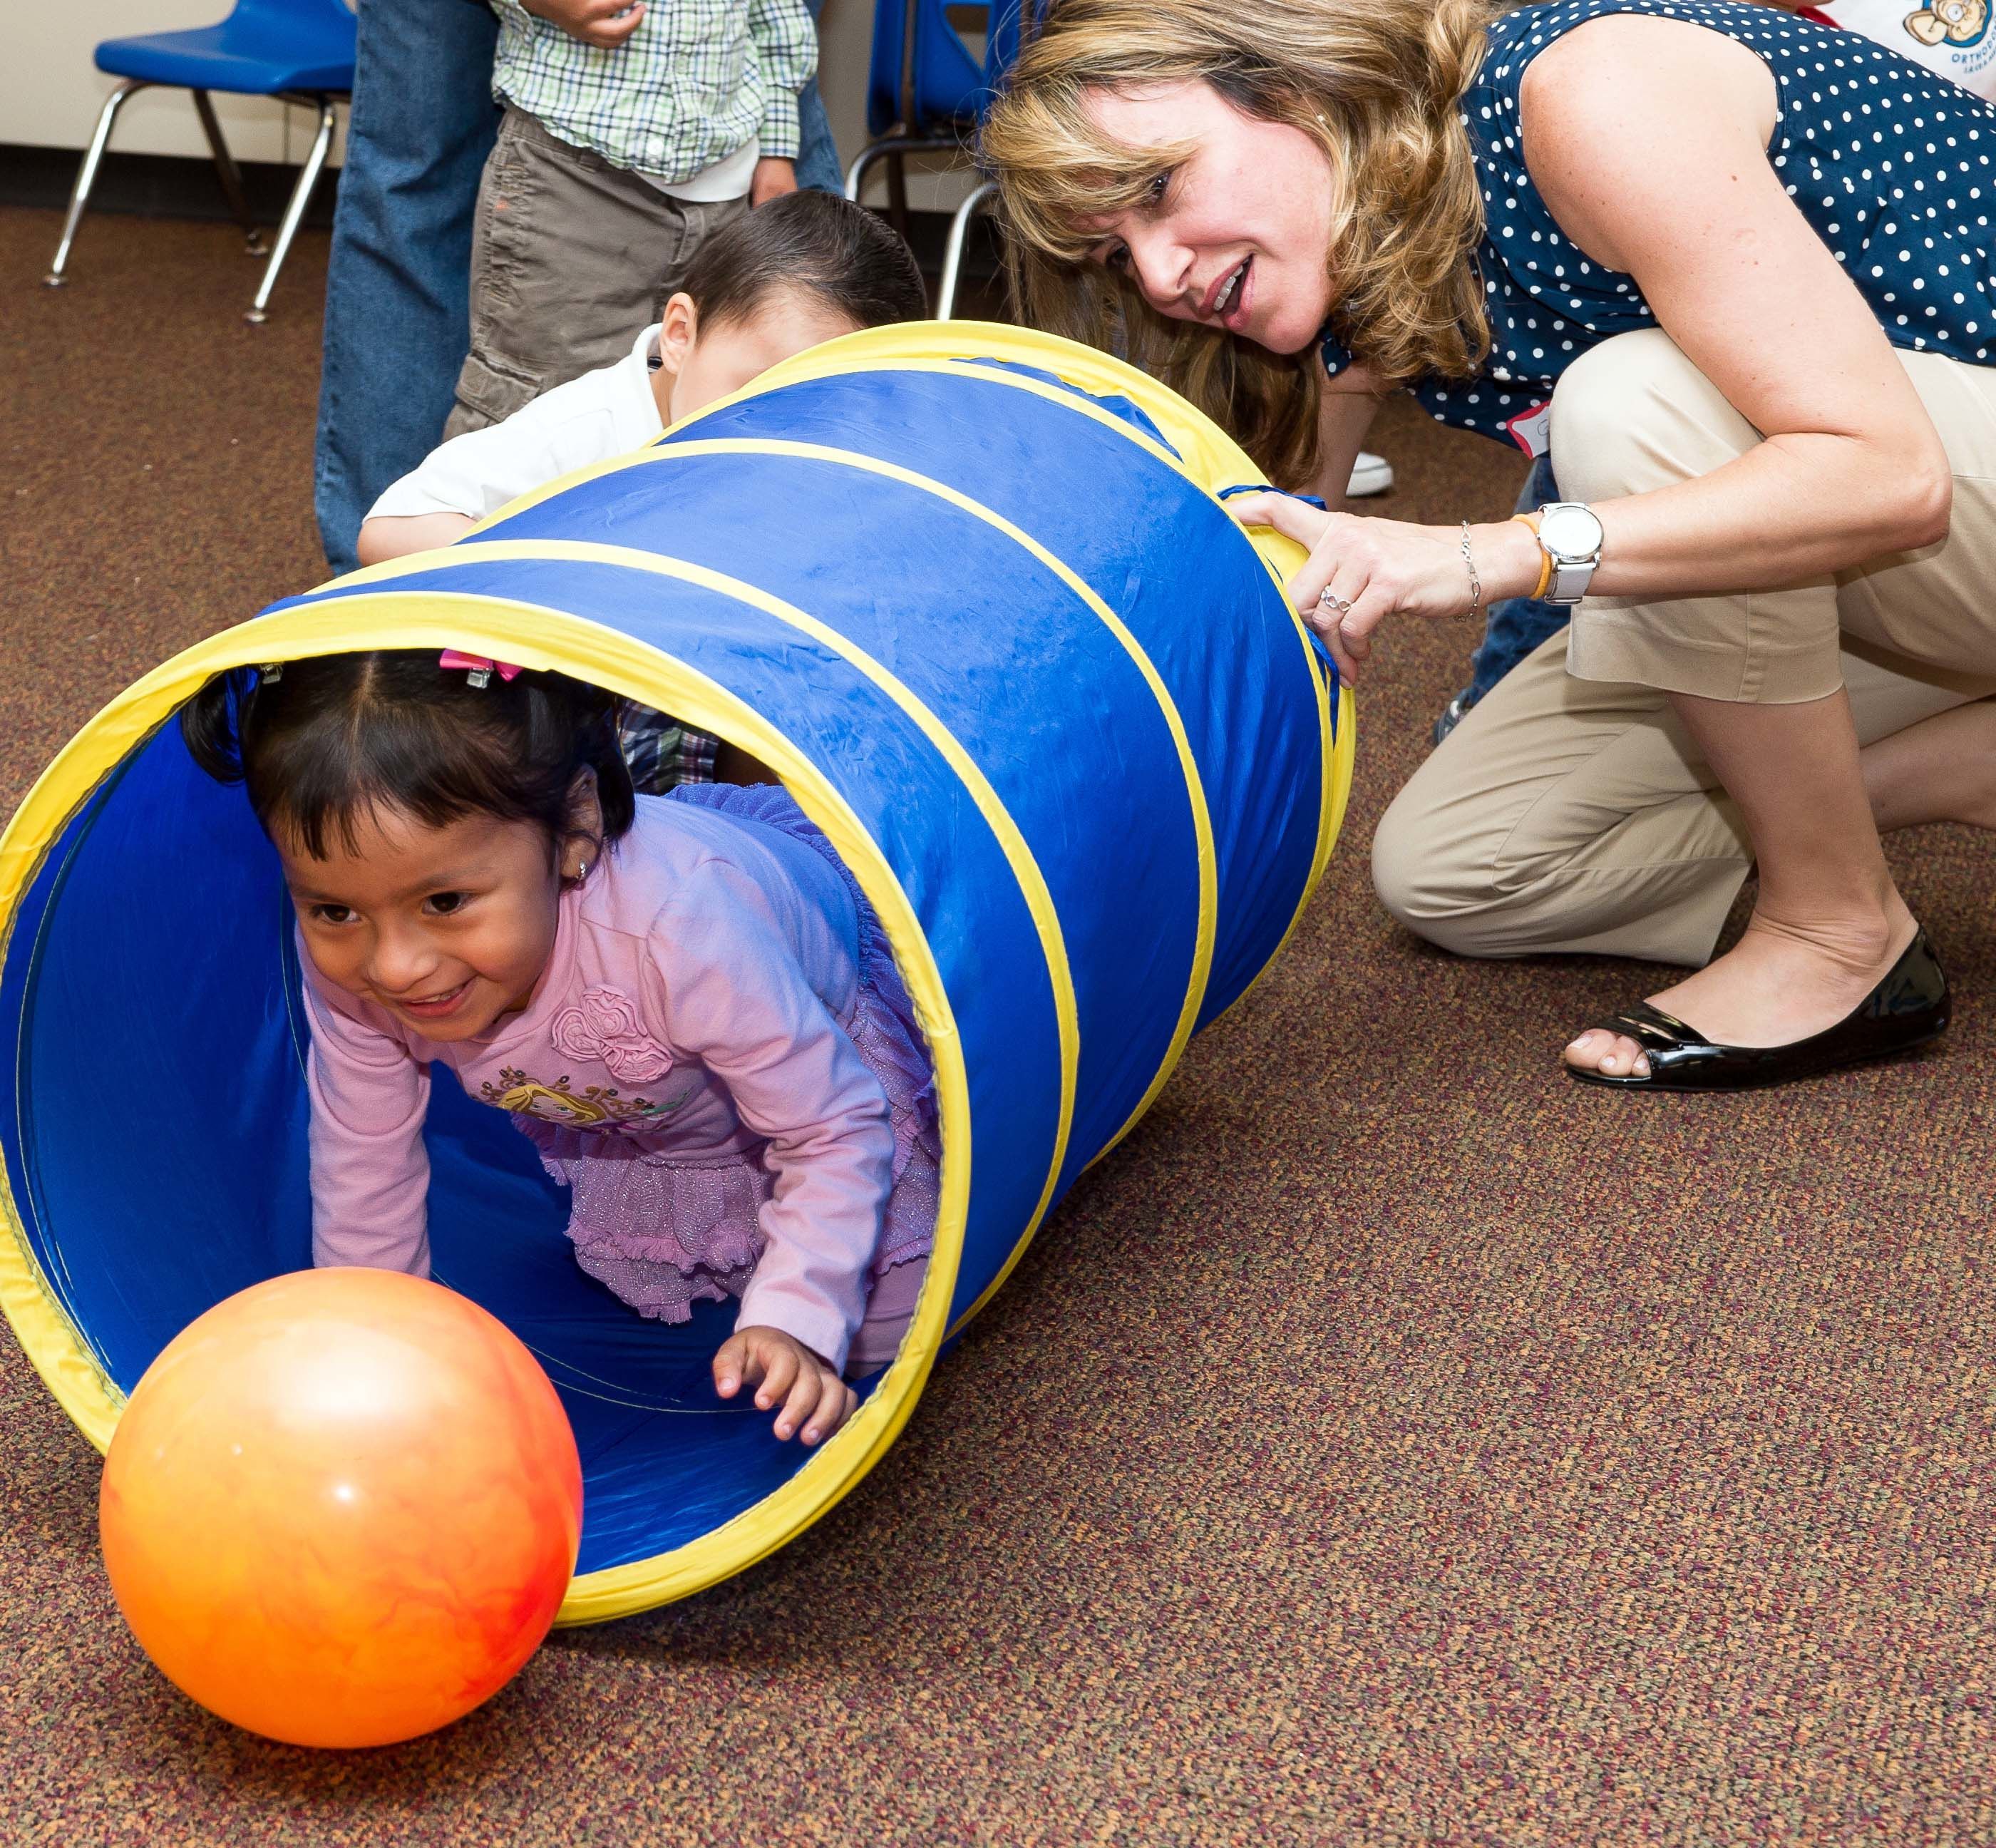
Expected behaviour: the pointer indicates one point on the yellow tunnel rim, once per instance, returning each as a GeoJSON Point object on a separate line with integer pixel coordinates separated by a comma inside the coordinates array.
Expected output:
{"type": "Point", "coordinates": [538, 638]}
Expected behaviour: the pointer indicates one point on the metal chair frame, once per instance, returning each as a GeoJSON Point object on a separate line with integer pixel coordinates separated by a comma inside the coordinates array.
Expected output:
{"type": "Point", "coordinates": [961, 221]}
{"type": "Point", "coordinates": [226, 171]}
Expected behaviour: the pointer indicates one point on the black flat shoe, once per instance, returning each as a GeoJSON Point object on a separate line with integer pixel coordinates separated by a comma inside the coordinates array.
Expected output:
{"type": "Point", "coordinates": [1906, 1009]}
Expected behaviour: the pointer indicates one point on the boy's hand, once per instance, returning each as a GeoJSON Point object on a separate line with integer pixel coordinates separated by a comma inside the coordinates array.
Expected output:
{"type": "Point", "coordinates": [606, 23]}
{"type": "Point", "coordinates": [772, 179]}
{"type": "Point", "coordinates": [812, 1396]}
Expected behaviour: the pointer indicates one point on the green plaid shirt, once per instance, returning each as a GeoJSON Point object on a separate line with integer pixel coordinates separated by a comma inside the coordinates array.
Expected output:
{"type": "Point", "coordinates": [690, 86]}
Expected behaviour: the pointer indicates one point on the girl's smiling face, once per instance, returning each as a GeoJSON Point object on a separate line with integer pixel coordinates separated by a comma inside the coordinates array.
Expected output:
{"type": "Point", "coordinates": [447, 928]}
{"type": "Point", "coordinates": [1237, 234]}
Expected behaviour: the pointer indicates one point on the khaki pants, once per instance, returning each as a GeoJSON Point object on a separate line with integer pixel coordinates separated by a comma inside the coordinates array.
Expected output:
{"type": "Point", "coordinates": [570, 258]}
{"type": "Point", "coordinates": [1569, 810]}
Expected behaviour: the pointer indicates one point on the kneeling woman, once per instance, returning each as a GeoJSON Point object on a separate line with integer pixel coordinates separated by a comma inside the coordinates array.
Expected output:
{"type": "Point", "coordinates": [1735, 267]}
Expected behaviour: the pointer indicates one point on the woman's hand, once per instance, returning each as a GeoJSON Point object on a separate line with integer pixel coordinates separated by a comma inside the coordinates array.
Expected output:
{"type": "Point", "coordinates": [1371, 568]}
{"type": "Point", "coordinates": [812, 1397]}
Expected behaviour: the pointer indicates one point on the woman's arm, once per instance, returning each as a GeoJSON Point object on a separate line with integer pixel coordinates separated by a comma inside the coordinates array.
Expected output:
{"type": "Point", "coordinates": [1345, 414]}
{"type": "Point", "coordinates": [1647, 140]}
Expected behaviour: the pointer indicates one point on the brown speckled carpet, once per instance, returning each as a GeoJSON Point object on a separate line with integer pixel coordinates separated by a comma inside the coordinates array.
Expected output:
{"type": "Point", "coordinates": [1392, 1444]}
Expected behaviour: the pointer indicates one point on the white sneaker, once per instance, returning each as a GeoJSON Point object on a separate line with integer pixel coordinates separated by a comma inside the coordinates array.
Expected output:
{"type": "Point", "coordinates": [1370, 475]}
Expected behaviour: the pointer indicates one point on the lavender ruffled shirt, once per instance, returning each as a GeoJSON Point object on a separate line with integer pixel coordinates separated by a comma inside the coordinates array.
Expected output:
{"type": "Point", "coordinates": [697, 995]}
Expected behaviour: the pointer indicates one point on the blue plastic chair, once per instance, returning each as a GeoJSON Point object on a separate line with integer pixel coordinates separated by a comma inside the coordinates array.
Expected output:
{"type": "Point", "coordinates": [299, 51]}
{"type": "Point", "coordinates": [923, 88]}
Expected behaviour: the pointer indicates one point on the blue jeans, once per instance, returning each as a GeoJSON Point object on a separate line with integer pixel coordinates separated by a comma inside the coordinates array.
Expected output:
{"type": "Point", "coordinates": [817, 153]}
{"type": "Point", "coordinates": [398, 286]}
{"type": "Point", "coordinates": [1519, 624]}
{"type": "Point", "coordinates": [397, 289]}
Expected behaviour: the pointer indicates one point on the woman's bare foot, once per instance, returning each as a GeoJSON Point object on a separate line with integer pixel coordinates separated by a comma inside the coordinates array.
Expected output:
{"type": "Point", "coordinates": [1778, 984]}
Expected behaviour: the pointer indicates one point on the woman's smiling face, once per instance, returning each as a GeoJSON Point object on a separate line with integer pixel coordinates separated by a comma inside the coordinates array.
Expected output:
{"type": "Point", "coordinates": [1238, 235]}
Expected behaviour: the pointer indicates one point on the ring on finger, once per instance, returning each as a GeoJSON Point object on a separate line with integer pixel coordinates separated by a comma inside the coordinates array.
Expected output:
{"type": "Point", "coordinates": [1325, 601]}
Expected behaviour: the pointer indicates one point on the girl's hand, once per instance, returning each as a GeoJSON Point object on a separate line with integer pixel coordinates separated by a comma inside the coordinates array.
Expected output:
{"type": "Point", "coordinates": [1372, 568]}
{"type": "Point", "coordinates": [813, 1398]}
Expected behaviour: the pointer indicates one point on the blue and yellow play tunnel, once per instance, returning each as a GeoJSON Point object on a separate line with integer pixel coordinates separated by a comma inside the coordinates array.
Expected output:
{"type": "Point", "coordinates": [973, 593]}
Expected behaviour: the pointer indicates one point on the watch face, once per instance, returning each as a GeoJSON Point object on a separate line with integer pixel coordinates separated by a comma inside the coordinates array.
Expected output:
{"type": "Point", "coordinates": [1570, 532]}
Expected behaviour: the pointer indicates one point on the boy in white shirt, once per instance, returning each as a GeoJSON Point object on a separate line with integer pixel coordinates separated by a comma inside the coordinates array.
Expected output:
{"type": "Point", "coordinates": [805, 268]}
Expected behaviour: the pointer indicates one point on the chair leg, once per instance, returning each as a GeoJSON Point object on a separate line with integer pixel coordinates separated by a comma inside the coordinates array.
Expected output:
{"type": "Point", "coordinates": [230, 176]}
{"type": "Point", "coordinates": [86, 177]}
{"type": "Point", "coordinates": [855, 174]}
{"type": "Point", "coordinates": [952, 255]}
{"type": "Point", "coordinates": [897, 192]}
{"type": "Point", "coordinates": [295, 212]}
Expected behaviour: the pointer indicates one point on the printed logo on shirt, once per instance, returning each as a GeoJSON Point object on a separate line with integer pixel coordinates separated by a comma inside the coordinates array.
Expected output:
{"type": "Point", "coordinates": [1951, 38]}
{"type": "Point", "coordinates": [595, 1107]}
{"type": "Point", "coordinates": [1957, 22]}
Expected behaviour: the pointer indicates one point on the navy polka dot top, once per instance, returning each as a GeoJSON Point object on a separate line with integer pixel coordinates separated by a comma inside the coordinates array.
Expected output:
{"type": "Point", "coordinates": [1894, 167]}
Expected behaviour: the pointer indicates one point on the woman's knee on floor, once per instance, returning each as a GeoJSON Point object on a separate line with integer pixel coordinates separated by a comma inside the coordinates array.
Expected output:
{"type": "Point", "coordinates": [1436, 872]}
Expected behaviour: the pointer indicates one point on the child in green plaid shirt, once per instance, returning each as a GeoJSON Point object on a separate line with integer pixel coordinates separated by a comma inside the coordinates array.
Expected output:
{"type": "Point", "coordinates": [629, 134]}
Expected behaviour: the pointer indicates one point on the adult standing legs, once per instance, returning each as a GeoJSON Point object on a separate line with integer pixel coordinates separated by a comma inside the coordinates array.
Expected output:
{"type": "Point", "coordinates": [396, 314]}
{"type": "Point", "coordinates": [817, 153]}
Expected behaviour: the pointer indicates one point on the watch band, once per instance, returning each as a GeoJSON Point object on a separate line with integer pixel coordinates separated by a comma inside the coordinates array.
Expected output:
{"type": "Point", "coordinates": [1545, 558]}
{"type": "Point", "coordinates": [1570, 581]}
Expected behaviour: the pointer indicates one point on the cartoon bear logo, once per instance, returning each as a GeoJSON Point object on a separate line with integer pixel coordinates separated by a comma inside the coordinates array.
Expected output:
{"type": "Point", "coordinates": [1950, 21]}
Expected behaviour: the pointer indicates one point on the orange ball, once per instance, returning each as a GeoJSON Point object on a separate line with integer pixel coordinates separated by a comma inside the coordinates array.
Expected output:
{"type": "Point", "coordinates": [341, 1508]}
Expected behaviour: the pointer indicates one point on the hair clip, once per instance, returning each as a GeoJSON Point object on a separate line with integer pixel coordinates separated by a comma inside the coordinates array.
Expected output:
{"type": "Point", "coordinates": [268, 671]}
{"type": "Point", "coordinates": [482, 669]}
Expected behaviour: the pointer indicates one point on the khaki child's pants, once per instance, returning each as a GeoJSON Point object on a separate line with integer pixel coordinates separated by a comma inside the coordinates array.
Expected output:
{"type": "Point", "coordinates": [571, 258]}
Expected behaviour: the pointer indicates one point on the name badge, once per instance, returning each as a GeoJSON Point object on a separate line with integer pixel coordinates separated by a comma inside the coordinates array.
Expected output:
{"type": "Point", "coordinates": [1531, 430]}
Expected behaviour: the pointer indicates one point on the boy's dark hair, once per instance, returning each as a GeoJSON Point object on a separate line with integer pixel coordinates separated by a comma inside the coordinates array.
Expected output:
{"type": "Point", "coordinates": [846, 256]}
{"type": "Point", "coordinates": [320, 744]}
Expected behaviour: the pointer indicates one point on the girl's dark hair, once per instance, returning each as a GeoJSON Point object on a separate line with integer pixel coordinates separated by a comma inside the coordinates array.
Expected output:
{"type": "Point", "coordinates": [321, 743]}
{"type": "Point", "coordinates": [830, 247]}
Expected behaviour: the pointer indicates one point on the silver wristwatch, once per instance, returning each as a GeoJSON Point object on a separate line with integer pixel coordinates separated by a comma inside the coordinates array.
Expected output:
{"type": "Point", "coordinates": [1571, 535]}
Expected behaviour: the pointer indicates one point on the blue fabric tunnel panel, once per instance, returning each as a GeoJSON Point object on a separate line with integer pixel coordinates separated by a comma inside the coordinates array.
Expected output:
{"type": "Point", "coordinates": [971, 594]}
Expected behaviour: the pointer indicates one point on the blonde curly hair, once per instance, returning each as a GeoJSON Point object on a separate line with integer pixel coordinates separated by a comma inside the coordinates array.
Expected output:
{"type": "Point", "coordinates": [1376, 83]}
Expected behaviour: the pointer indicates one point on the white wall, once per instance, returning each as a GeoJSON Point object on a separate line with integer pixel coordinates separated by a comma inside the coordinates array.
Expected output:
{"type": "Point", "coordinates": [50, 92]}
